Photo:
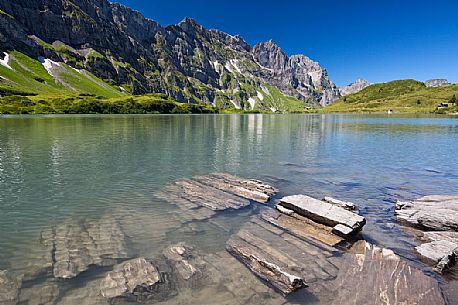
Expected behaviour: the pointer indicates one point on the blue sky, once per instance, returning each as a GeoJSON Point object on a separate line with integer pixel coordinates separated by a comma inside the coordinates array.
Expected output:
{"type": "Point", "coordinates": [372, 39]}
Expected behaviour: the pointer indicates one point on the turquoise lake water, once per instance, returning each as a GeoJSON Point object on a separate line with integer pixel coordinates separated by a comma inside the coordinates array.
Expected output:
{"type": "Point", "coordinates": [53, 168]}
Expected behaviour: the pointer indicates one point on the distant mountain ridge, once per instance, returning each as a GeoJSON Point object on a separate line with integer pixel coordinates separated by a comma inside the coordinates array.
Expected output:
{"type": "Point", "coordinates": [186, 61]}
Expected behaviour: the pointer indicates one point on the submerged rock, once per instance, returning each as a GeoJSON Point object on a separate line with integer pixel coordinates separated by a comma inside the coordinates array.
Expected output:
{"type": "Point", "coordinates": [9, 289]}
{"type": "Point", "coordinates": [283, 260]}
{"type": "Point", "coordinates": [79, 244]}
{"type": "Point", "coordinates": [180, 257]}
{"type": "Point", "coordinates": [201, 197]}
{"type": "Point", "coordinates": [437, 213]}
{"type": "Point", "coordinates": [266, 266]}
{"type": "Point", "coordinates": [137, 276]}
{"type": "Point", "coordinates": [40, 294]}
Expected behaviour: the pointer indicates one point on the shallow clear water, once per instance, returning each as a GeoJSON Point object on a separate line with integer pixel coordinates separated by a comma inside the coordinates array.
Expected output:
{"type": "Point", "coordinates": [59, 167]}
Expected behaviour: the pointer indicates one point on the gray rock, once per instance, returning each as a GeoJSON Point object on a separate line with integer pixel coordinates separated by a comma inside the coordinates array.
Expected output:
{"type": "Point", "coordinates": [437, 83]}
{"type": "Point", "coordinates": [203, 196]}
{"type": "Point", "coordinates": [302, 226]}
{"type": "Point", "coordinates": [370, 274]}
{"type": "Point", "coordinates": [179, 256]}
{"type": "Point", "coordinates": [355, 87]}
{"type": "Point", "coordinates": [284, 210]}
{"type": "Point", "coordinates": [440, 248]}
{"type": "Point", "coordinates": [343, 231]}
{"type": "Point", "coordinates": [364, 272]}
{"type": "Point", "coordinates": [137, 275]}
{"type": "Point", "coordinates": [438, 213]}
{"type": "Point", "coordinates": [78, 244]}
{"type": "Point", "coordinates": [323, 212]}
{"type": "Point", "coordinates": [9, 289]}
{"type": "Point", "coordinates": [350, 206]}
{"type": "Point", "coordinates": [297, 75]}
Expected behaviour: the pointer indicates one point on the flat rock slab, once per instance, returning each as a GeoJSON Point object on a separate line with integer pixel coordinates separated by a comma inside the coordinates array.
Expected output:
{"type": "Point", "coordinates": [436, 213]}
{"type": "Point", "coordinates": [9, 289]}
{"type": "Point", "coordinates": [364, 272]}
{"type": "Point", "coordinates": [443, 253]}
{"type": "Point", "coordinates": [78, 244]}
{"type": "Point", "coordinates": [279, 258]}
{"type": "Point", "coordinates": [323, 212]}
{"type": "Point", "coordinates": [440, 248]}
{"type": "Point", "coordinates": [137, 275]}
{"type": "Point", "coordinates": [301, 226]}
{"type": "Point", "coordinates": [215, 192]}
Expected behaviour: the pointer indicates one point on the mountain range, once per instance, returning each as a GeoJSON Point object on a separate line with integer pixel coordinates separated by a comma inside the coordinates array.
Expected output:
{"type": "Point", "coordinates": [119, 49]}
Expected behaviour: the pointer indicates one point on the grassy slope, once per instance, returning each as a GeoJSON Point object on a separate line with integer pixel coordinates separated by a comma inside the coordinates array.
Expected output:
{"type": "Point", "coordinates": [29, 89]}
{"type": "Point", "coordinates": [281, 102]}
{"type": "Point", "coordinates": [406, 96]}
{"type": "Point", "coordinates": [28, 77]}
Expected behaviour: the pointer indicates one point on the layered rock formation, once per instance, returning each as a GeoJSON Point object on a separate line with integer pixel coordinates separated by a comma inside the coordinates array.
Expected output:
{"type": "Point", "coordinates": [437, 218]}
{"type": "Point", "coordinates": [185, 61]}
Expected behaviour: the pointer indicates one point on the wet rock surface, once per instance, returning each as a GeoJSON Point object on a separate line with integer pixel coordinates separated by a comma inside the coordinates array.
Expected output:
{"type": "Point", "coordinates": [301, 226]}
{"type": "Point", "coordinates": [78, 244]}
{"type": "Point", "coordinates": [280, 258]}
{"type": "Point", "coordinates": [334, 276]}
{"type": "Point", "coordinates": [200, 197]}
{"type": "Point", "coordinates": [368, 273]}
{"type": "Point", "coordinates": [437, 219]}
{"type": "Point", "coordinates": [323, 212]}
{"type": "Point", "coordinates": [436, 213]}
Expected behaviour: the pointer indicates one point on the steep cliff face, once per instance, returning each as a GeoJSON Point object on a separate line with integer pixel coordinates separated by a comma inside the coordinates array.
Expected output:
{"type": "Point", "coordinates": [298, 75]}
{"type": "Point", "coordinates": [186, 61]}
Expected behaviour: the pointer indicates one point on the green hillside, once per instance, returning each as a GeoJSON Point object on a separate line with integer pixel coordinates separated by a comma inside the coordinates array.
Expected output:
{"type": "Point", "coordinates": [401, 96]}
{"type": "Point", "coordinates": [22, 75]}
{"type": "Point", "coordinates": [28, 86]}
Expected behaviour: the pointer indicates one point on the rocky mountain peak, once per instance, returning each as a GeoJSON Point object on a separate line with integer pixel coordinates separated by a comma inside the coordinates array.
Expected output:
{"type": "Point", "coordinates": [354, 87]}
{"type": "Point", "coordinates": [269, 55]}
{"type": "Point", "coordinates": [185, 61]}
{"type": "Point", "coordinates": [437, 82]}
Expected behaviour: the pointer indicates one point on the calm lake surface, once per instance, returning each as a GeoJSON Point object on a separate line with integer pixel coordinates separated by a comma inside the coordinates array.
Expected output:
{"type": "Point", "coordinates": [57, 168]}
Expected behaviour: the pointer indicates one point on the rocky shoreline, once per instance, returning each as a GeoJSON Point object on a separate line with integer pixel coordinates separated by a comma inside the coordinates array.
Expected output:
{"type": "Point", "coordinates": [299, 249]}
